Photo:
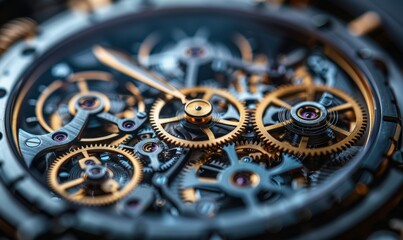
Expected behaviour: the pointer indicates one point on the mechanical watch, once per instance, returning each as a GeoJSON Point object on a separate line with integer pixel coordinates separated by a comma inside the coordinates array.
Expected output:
{"type": "Point", "coordinates": [213, 119]}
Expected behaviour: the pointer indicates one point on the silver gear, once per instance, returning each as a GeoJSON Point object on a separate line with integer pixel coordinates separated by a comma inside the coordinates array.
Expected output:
{"type": "Point", "coordinates": [155, 155]}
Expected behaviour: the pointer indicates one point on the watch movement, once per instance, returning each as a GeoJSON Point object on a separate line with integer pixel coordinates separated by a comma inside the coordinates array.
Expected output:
{"type": "Point", "coordinates": [200, 120]}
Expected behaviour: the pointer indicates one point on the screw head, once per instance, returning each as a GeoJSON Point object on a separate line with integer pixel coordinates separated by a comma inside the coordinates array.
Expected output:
{"type": "Point", "coordinates": [141, 115]}
{"type": "Point", "coordinates": [33, 142]}
{"type": "Point", "coordinates": [246, 159]}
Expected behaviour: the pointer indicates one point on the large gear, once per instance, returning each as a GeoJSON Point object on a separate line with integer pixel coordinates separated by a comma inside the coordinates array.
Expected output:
{"type": "Point", "coordinates": [310, 120]}
{"type": "Point", "coordinates": [211, 118]}
{"type": "Point", "coordinates": [95, 175]}
{"type": "Point", "coordinates": [231, 172]}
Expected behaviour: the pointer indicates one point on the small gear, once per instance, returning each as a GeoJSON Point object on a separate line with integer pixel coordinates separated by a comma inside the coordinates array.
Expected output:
{"type": "Point", "coordinates": [257, 152]}
{"type": "Point", "coordinates": [210, 118]}
{"type": "Point", "coordinates": [155, 155]}
{"type": "Point", "coordinates": [309, 120]}
{"type": "Point", "coordinates": [95, 175]}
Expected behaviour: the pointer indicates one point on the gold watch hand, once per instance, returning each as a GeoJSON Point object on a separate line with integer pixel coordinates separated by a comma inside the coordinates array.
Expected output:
{"type": "Point", "coordinates": [117, 62]}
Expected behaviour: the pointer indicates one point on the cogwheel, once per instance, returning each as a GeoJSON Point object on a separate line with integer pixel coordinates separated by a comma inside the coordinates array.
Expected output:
{"type": "Point", "coordinates": [210, 118]}
{"type": "Point", "coordinates": [218, 176]}
{"type": "Point", "coordinates": [155, 155]}
{"type": "Point", "coordinates": [257, 152]}
{"type": "Point", "coordinates": [95, 175]}
{"type": "Point", "coordinates": [309, 120]}
{"type": "Point", "coordinates": [190, 173]}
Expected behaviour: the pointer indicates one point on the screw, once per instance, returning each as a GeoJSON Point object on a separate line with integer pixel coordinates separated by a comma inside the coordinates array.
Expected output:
{"type": "Point", "coordinates": [33, 142]}
{"type": "Point", "coordinates": [247, 159]}
{"type": "Point", "coordinates": [141, 115]}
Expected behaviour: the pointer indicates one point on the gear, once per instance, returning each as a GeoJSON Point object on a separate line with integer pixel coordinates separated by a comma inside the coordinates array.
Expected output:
{"type": "Point", "coordinates": [56, 106]}
{"type": "Point", "coordinates": [309, 120]}
{"type": "Point", "coordinates": [210, 118]}
{"type": "Point", "coordinates": [257, 152]}
{"type": "Point", "coordinates": [95, 175]}
{"type": "Point", "coordinates": [155, 155]}
{"type": "Point", "coordinates": [227, 174]}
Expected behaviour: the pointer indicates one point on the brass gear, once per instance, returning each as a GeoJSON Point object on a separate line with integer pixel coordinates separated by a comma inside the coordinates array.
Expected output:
{"type": "Point", "coordinates": [257, 151]}
{"type": "Point", "coordinates": [345, 120]}
{"type": "Point", "coordinates": [201, 123]}
{"type": "Point", "coordinates": [107, 189]}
